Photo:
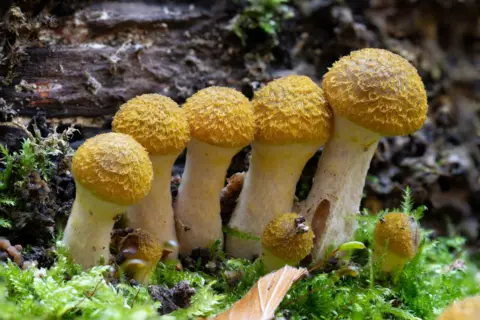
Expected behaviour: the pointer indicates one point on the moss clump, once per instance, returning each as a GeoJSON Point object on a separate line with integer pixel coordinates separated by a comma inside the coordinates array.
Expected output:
{"type": "Point", "coordinates": [36, 186]}
{"type": "Point", "coordinates": [264, 18]}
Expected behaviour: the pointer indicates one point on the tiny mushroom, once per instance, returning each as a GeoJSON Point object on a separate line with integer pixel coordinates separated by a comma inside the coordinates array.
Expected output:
{"type": "Point", "coordinates": [293, 121]}
{"type": "Point", "coordinates": [161, 126]}
{"type": "Point", "coordinates": [112, 171]}
{"type": "Point", "coordinates": [287, 239]}
{"type": "Point", "coordinates": [141, 252]}
{"type": "Point", "coordinates": [396, 240]}
{"type": "Point", "coordinates": [221, 124]}
{"type": "Point", "coordinates": [373, 93]}
{"type": "Point", "coordinates": [466, 309]}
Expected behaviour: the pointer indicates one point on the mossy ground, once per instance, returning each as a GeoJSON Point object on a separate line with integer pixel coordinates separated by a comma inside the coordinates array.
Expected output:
{"type": "Point", "coordinates": [441, 272]}
{"type": "Point", "coordinates": [347, 286]}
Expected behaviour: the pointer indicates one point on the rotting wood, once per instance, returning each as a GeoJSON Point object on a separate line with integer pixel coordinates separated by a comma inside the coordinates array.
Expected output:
{"type": "Point", "coordinates": [107, 53]}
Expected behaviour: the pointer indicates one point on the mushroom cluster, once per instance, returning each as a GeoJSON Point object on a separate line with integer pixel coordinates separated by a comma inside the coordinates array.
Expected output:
{"type": "Point", "coordinates": [369, 94]}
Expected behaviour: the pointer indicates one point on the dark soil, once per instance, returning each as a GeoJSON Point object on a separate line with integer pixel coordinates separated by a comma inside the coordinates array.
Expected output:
{"type": "Point", "coordinates": [172, 299]}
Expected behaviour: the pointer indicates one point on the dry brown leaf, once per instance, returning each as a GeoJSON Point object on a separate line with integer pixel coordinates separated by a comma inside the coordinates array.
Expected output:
{"type": "Point", "coordinates": [263, 299]}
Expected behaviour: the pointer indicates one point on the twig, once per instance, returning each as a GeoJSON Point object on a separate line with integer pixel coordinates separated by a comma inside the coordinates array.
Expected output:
{"type": "Point", "coordinates": [135, 298]}
{"type": "Point", "coordinates": [87, 296]}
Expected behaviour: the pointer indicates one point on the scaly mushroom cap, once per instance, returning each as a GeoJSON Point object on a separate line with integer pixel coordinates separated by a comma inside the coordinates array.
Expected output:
{"type": "Point", "coordinates": [378, 90]}
{"type": "Point", "coordinates": [220, 116]}
{"type": "Point", "coordinates": [156, 121]}
{"type": "Point", "coordinates": [140, 244]}
{"type": "Point", "coordinates": [291, 109]}
{"type": "Point", "coordinates": [114, 167]}
{"type": "Point", "coordinates": [399, 232]}
{"type": "Point", "coordinates": [284, 237]}
{"type": "Point", "coordinates": [466, 309]}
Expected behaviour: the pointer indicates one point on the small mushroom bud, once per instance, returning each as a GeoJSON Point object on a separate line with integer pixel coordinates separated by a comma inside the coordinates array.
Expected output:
{"type": "Point", "coordinates": [287, 239]}
{"type": "Point", "coordinates": [141, 253]}
{"type": "Point", "coordinates": [396, 240]}
{"type": "Point", "coordinates": [466, 309]}
{"type": "Point", "coordinates": [4, 244]}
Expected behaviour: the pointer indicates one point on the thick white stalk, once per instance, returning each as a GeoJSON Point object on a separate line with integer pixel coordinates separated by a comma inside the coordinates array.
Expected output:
{"type": "Point", "coordinates": [268, 190]}
{"type": "Point", "coordinates": [87, 235]}
{"type": "Point", "coordinates": [154, 213]}
{"type": "Point", "coordinates": [197, 208]}
{"type": "Point", "coordinates": [335, 197]}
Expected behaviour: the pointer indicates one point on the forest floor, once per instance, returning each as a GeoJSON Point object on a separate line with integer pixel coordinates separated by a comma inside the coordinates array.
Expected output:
{"type": "Point", "coordinates": [73, 63]}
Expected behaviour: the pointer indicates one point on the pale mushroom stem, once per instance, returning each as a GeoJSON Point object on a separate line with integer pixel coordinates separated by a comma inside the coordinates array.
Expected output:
{"type": "Point", "coordinates": [197, 208]}
{"type": "Point", "coordinates": [335, 197]}
{"type": "Point", "coordinates": [154, 213]}
{"type": "Point", "coordinates": [268, 191]}
{"type": "Point", "coordinates": [272, 262]}
{"type": "Point", "coordinates": [142, 270]}
{"type": "Point", "coordinates": [87, 234]}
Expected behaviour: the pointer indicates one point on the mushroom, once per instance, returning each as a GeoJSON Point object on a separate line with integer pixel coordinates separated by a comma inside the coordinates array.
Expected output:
{"type": "Point", "coordinates": [396, 240]}
{"type": "Point", "coordinates": [221, 124]}
{"type": "Point", "coordinates": [141, 252]}
{"type": "Point", "coordinates": [466, 309]}
{"type": "Point", "coordinates": [160, 126]}
{"type": "Point", "coordinates": [373, 93]}
{"type": "Point", "coordinates": [292, 120]}
{"type": "Point", "coordinates": [112, 171]}
{"type": "Point", "coordinates": [287, 239]}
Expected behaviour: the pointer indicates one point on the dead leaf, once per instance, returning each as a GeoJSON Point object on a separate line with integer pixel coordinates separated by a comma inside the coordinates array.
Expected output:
{"type": "Point", "coordinates": [263, 299]}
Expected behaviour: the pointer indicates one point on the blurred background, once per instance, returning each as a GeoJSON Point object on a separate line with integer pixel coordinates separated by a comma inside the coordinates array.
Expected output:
{"type": "Point", "coordinates": [75, 62]}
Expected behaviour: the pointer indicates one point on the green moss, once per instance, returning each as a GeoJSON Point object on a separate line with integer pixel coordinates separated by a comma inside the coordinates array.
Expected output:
{"type": "Point", "coordinates": [440, 273]}
{"type": "Point", "coordinates": [347, 287]}
{"type": "Point", "coordinates": [34, 157]}
{"type": "Point", "coordinates": [259, 16]}
{"type": "Point", "coordinates": [426, 285]}
{"type": "Point", "coordinates": [64, 291]}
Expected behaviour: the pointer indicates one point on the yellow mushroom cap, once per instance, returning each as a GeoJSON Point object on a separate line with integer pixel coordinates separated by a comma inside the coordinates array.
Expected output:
{"type": "Point", "coordinates": [114, 167]}
{"type": "Point", "coordinates": [466, 309]}
{"type": "Point", "coordinates": [399, 232]}
{"type": "Point", "coordinates": [220, 116]}
{"type": "Point", "coordinates": [378, 90]}
{"type": "Point", "coordinates": [282, 239]}
{"type": "Point", "coordinates": [156, 121]}
{"type": "Point", "coordinates": [142, 245]}
{"type": "Point", "coordinates": [291, 109]}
